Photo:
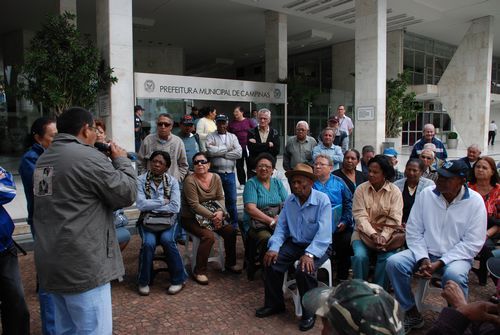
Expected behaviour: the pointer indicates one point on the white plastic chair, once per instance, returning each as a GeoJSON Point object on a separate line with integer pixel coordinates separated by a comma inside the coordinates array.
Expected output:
{"type": "Point", "coordinates": [218, 257]}
{"type": "Point", "coordinates": [290, 286]}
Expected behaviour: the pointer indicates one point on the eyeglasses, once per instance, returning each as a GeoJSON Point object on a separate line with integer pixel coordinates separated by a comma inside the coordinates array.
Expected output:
{"type": "Point", "coordinates": [321, 164]}
{"type": "Point", "coordinates": [263, 166]}
{"type": "Point", "coordinates": [163, 124]}
{"type": "Point", "coordinates": [200, 161]}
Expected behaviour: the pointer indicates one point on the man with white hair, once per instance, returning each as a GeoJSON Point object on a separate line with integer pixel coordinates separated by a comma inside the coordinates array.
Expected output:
{"type": "Point", "coordinates": [429, 133]}
{"type": "Point", "coordinates": [299, 147]}
{"type": "Point", "coordinates": [262, 138]}
{"type": "Point", "coordinates": [427, 157]}
{"type": "Point", "coordinates": [473, 153]}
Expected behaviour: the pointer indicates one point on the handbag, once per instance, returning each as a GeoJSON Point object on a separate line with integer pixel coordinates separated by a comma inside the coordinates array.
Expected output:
{"type": "Point", "coordinates": [158, 222]}
{"type": "Point", "coordinates": [213, 206]}
{"type": "Point", "coordinates": [270, 211]}
{"type": "Point", "coordinates": [396, 241]}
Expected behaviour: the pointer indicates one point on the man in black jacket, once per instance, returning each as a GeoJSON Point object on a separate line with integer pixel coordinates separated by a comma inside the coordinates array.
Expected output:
{"type": "Point", "coordinates": [261, 139]}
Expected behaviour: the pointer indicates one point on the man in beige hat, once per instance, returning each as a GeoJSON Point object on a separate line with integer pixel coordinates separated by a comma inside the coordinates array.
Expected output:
{"type": "Point", "coordinates": [303, 233]}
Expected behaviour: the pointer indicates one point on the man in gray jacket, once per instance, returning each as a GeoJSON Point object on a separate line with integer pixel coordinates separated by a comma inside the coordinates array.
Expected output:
{"type": "Point", "coordinates": [76, 189]}
{"type": "Point", "coordinates": [224, 149]}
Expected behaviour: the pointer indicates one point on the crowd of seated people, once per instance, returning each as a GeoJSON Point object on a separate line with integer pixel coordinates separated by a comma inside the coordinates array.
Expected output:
{"type": "Point", "coordinates": [430, 221]}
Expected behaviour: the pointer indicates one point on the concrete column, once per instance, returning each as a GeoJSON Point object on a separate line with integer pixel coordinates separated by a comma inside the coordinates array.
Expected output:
{"type": "Point", "coordinates": [394, 53]}
{"type": "Point", "coordinates": [114, 39]}
{"type": "Point", "coordinates": [465, 87]}
{"type": "Point", "coordinates": [276, 46]}
{"type": "Point", "coordinates": [66, 6]}
{"type": "Point", "coordinates": [370, 60]}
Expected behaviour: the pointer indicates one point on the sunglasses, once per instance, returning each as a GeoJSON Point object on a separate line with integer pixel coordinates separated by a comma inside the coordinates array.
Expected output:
{"type": "Point", "coordinates": [163, 124]}
{"type": "Point", "coordinates": [200, 161]}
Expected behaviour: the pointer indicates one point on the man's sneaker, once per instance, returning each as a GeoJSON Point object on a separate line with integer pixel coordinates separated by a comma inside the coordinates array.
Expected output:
{"type": "Point", "coordinates": [413, 321]}
{"type": "Point", "coordinates": [144, 290]}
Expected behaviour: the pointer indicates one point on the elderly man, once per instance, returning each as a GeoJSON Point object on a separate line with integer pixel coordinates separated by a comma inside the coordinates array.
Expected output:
{"type": "Point", "coordinates": [429, 137]}
{"type": "Point", "coordinates": [367, 153]}
{"type": "Point", "coordinates": [341, 202]}
{"type": "Point", "coordinates": [166, 141]}
{"type": "Point", "coordinates": [427, 156]}
{"type": "Point", "coordinates": [299, 147]}
{"type": "Point", "coordinates": [304, 233]}
{"type": "Point", "coordinates": [473, 153]}
{"type": "Point", "coordinates": [326, 147]}
{"type": "Point", "coordinates": [341, 137]}
{"type": "Point", "coordinates": [76, 249]}
{"type": "Point", "coordinates": [262, 138]}
{"type": "Point", "coordinates": [444, 232]}
{"type": "Point", "coordinates": [392, 154]}
{"type": "Point", "coordinates": [191, 141]}
{"type": "Point", "coordinates": [224, 149]}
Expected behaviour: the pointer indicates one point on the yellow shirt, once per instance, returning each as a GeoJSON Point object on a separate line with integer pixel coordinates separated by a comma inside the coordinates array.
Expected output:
{"type": "Point", "coordinates": [370, 207]}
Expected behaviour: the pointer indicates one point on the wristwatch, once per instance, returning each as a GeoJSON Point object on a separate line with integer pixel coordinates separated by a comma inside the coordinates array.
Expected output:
{"type": "Point", "coordinates": [272, 224]}
{"type": "Point", "coordinates": [309, 255]}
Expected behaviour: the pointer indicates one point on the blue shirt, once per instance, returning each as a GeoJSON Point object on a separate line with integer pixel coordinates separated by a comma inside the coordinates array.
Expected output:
{"type": "Point", "coordinates": [26, 170]}
{"type": "Point", "coordinates": [339, 194]}
{"type": "Point", "coordinates": [257, 194]}
{"type": "Point", "coordinates": [7, 193]}
{"type": "Point", "coordinates": [334, 152]}
{"type": "Point", "coordinates": [419, 146]}
{"type": "Point", "coordinates": [157, 202]}
{"type": "Point", "coordinates": [310, 223]}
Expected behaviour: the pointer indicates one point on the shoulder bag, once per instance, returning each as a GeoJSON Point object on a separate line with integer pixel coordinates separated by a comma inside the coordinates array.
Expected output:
{"type": "Point", "coordinates": [270, 211]}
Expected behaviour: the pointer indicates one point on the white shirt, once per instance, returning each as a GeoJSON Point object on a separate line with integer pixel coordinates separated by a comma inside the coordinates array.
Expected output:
{"type": "Point", "coordinates": [345, 124]}
{"type": "Point", "coordinates": [493, 127]}
{"type": "Point", "coordinates": [452, 231]}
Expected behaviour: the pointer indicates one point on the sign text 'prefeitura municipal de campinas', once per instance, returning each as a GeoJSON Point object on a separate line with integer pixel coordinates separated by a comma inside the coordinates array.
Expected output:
{"type": "Point", "coordinates": [160, 86]}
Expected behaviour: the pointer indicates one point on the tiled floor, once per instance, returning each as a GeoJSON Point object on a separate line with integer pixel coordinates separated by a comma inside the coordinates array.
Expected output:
{"type": "Point", "coordinates": [226, 306]}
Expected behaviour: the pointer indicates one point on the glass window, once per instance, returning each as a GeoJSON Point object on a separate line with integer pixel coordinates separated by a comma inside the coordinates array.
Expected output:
{"type": "Point", "coordinates": [419, 61]}
{"type": "Point", "coordinates": [408, 59]}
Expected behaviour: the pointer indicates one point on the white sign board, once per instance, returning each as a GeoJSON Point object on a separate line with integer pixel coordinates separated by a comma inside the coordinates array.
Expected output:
{"type": "Point", "coordinates": [365, 113]}
{"type": "Point", "coordinates": [148, 85]}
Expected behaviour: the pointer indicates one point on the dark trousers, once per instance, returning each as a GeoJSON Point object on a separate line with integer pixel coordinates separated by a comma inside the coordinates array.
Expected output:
{"type": "Point", "coordinates": [15, 313]}
{"type": "Point", "coordinates": [207, 240]}
{"type": "Point", "coordinates": [342, 253]}
{"type": "Point", "coordinates": [491, 137]}
{"type": "Point", "coordinates": [274, 274]}
{"type": "Point", "coordinates": [240, 167]}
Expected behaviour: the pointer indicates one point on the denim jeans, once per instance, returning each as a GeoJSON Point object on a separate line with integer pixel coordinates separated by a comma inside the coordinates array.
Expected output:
{"type": "Point", "coordinates": [361, 263]}
{"type": "Point", "coordinates": [13, 309]}
{"type": "Point", "coordinates": [229, 186]}
{"type": "Point", "coordinates": [88, 312]}
{"type": "Point", "coordinates": [166, 238]}
{"type": "Point", "coordinates": [47, 312]}
{"type": "Point", "coordinates": [400, 269]}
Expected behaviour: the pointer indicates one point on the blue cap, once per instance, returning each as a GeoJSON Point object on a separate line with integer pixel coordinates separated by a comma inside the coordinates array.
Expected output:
{"type": "Point", "coordinates": [221, 118]}
{"type": "Point", "coordinates": [390, 152]}
{"type": "Point", "coordinates": [456, 168]}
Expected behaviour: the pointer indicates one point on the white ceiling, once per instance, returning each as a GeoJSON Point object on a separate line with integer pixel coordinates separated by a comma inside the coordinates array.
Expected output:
{"type": "Point", "coordinates": [234, 29]}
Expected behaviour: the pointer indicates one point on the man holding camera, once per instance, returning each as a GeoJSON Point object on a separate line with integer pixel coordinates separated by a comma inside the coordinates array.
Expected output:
{"type": "Point", "coordinates": [76, 250]}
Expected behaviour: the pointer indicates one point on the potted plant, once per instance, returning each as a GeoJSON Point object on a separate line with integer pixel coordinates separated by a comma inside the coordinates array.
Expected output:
{"type": "Point", "coordinates": [452, 140]}
{"type": "Point", "coordinates": [400, 107]}
{"type": "Point", "coordinates": [63, 68]}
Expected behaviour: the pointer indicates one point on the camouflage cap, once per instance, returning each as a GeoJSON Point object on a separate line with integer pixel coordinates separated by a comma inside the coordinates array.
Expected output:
{"type": "Point", "coordinates": [357, 307]}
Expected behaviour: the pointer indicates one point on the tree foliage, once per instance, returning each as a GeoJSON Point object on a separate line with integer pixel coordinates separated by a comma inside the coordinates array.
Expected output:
{"type": "Point", "coordinates": [400, 106]}
{"type": "Point", "coordinates": [63, 68]}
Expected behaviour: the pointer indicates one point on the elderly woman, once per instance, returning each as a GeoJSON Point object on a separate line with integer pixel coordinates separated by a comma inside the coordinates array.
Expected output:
{"type": "Point", "coordinates": [339, 195]}
{"type": "Point", "coordinates": [485, 181]}
{"type": "Point", "coordinates": [206, 125]}
{"type": "Point", "coordinates": [158, 195]}
{"type": "Point", "coordinates": [263, 197]}
{"type": "Point", "coordinates": [412, 185]}
{"type": "Point", "coordinates": [377, 210]}
{"type": "Point", "coordinates": [201, 188]}
{"type": "Point", "coordinates": [348, 172]}
{"type": "Point", "coordinates": [428, 158]}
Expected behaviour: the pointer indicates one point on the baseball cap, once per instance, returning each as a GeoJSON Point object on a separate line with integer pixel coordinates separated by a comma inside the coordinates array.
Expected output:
{"type": "Point", "coordinates": [390, 152]}
{"type": "Point", "coordinates": [221, 117]}
{"type": "Point", "coordinates": [333, 118]}
{"type": "Point", "coordinates": [138, 108]}
{"type": "Point", "coordinates": [187, 120]}
{"type": "Point", "coordinates": [455, 168]}
{"type": "Point", "coordinates": [356, 307]}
